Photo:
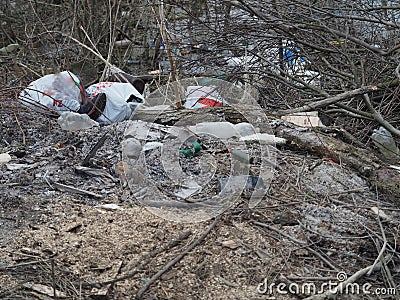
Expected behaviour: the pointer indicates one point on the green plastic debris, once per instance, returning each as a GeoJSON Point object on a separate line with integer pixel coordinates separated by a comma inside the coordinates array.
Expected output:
{"type": "Point", "coordinates": [187, 152]}
{"type": "Point", "coordinates": [196, 147]}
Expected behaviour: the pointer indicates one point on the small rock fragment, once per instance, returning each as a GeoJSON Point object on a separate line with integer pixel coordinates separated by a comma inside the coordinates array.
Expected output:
{"type": "Point", "coordinates": [380, 213]}
{"type": "Point", "coordinates": [110, 206]}
{"type": "Point", "coordinates": [4, 158]}
{"type": "Point", "coordinates": [231, 244]}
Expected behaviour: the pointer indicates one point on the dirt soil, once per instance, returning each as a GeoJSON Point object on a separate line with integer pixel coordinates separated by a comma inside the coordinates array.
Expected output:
{"type": "Point", "coordinates": [318, 219]}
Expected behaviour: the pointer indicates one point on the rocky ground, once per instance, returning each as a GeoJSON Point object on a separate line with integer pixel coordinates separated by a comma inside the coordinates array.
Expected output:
{"type": "Point", "coordinates": [83, 234]}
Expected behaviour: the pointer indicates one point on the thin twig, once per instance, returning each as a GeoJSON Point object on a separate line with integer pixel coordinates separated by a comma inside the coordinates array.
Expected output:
{"type": "Point", "coordinates": [310, 278]}
{"type": "Point", "coordinates": [20, 127]}
{"type": "Point", "coordinates": [361, 189]}
{"type": "Point", "coordinates": [298, 242]}
{"type": "Point", "coordinates": [53, 279]}
{"type": "Point", "coordinates": [169, 265]}
{"type": "Point", "coordinates": [378, 259]}
{"type": "Point", "coordinates": [330, 100]}
{"type": "Point", "coordinates": [26, 67]}
{"type": "Point", "coordinates": [165, 37]}
{"type": "Point", "coordinates": [113, 68]}
{"type": "Point", "coordinates": [143, 260]}
{"type": "Point", "coordinates": [397, 71]}
{"type": "Point", "coordinates": [71, 189]}
{"type": "Point", "coordinates": [3, 268]}
{"type": "Point", "coordinates": [341, 287]}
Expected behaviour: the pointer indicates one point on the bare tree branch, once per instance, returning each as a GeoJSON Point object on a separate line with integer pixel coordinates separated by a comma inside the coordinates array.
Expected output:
{"type": "Point", "coordinates": [330, 100]}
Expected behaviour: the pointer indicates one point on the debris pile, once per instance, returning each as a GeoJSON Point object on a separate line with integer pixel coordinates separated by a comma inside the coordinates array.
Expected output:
{"type": "Point", "coordinates": [74, 225]}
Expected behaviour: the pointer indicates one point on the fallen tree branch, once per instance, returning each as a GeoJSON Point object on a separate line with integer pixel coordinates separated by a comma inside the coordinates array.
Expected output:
{"type": "Point", "coordinates": [342, 286]}
{"type": "Point", "coordinates": [362, 160]}
{"type": "Point", "coordinates": [378, 117]}
{"type": "Point", "coordinates": [71, 189]}
{"type": "Point", "coordinates": [329, 100]}
{"type": "Point", "coordinates": [234, 114]}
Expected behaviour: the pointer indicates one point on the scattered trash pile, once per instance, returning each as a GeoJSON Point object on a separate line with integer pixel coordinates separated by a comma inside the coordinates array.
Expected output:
{"type": "Point", "coordinates": [197, 169]}
{"type": "Point", "coordinates": [93, 213]}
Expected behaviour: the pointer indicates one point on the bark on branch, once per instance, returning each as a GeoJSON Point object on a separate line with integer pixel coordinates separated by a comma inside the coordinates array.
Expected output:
{"type": "Point", "coordinates": [329, 101]}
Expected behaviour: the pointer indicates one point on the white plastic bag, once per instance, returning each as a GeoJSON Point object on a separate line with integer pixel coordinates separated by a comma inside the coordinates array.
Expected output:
{"type": "Point", "coordinates": [55, 92]}
{"type": "Point", "coordinates": [63, 92]}
{"type": "Point", "coordinates": [71, 121]}
{"type": "Point", "coordinates": [118, 93]}
{"type": "Point", "coordinates": [203, 96]}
